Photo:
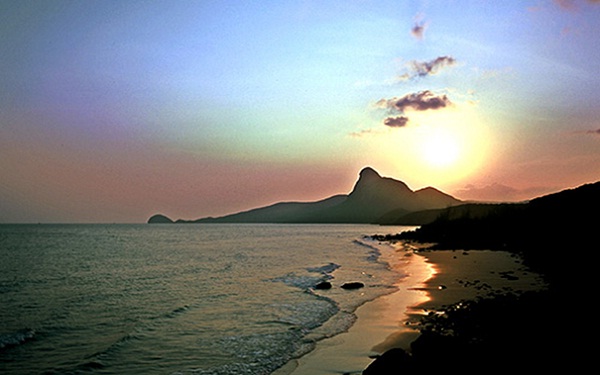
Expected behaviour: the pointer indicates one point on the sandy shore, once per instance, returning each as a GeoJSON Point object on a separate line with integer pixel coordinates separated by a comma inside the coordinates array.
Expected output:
{"type": "Point", "coordinates": [466, 275]}
{"type": "Point", "coordinates": [379, 325]}
{"type": "Point", "coordinates": [435, 279]}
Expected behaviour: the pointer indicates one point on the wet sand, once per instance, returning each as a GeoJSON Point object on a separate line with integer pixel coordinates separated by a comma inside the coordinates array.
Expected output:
{"type": "Point", "coordinates": [435, 279]}
{"type": "Point", "coordinates": [466, 275]}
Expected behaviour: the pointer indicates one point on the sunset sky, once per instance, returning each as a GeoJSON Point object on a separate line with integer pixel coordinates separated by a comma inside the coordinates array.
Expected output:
{"type": "Point", "coordinates": [111, 111]}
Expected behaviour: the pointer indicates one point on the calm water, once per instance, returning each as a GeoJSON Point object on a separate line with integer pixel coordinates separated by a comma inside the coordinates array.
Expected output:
{"type": "Point", "coordinates": [178, 299]}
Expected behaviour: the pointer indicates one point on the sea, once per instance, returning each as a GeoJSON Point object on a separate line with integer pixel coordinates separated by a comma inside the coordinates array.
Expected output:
{"type": "Point", "coordinates": [180, 298]}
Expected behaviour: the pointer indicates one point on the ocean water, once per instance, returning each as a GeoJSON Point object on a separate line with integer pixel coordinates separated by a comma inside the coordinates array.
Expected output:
{"type": "Point", "coordinates": [179, 299]}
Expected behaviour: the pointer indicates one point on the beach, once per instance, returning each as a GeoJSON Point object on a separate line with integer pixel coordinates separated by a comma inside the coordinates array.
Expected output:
{"type": "Point", "coordinates": [378, 325]}
{"type": "Point", "coordinates": [435, 279]}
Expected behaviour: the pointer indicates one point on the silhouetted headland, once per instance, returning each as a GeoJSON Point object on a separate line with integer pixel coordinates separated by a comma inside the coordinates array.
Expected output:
{"type": "Point", "coordinates": [159, 219]}
{"type": "Point", "coordinates": [372, 199]}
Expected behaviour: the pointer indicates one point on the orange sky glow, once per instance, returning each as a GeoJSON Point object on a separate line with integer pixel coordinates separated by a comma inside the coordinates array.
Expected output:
{"type": "Point", "coordinates": [114, 111]}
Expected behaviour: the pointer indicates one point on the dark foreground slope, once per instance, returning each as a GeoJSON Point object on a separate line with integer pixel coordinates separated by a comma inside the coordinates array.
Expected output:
{"type": "Point", "coordinates": [543, 230]}
{"type": "Point", "coordinates": [534, 332]}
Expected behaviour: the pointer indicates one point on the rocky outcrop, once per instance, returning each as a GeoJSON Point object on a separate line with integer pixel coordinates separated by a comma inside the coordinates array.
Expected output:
{"type": "Point", "coordinates": [323, 285]}
{"type": "Point", "coordinates": [353, 285]}
{"type": "Point", "coordinates": [160, 219]}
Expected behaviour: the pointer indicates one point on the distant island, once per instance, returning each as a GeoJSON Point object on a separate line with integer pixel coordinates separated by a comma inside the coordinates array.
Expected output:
{"type": "Point", "coordinates": [373, 200]}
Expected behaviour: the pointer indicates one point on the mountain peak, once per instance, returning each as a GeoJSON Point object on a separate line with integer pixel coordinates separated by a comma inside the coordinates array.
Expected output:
{"type": "Point", "coordinates": [368, 173]}
{"type": "Point", "coordinates": [370, 183]}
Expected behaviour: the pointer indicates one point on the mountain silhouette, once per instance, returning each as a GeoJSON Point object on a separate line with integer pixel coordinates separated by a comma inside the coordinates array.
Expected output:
{"type": "Point", "coordinates": [371, 198]}
{"type": "Point", "coordinates": [159, 219]}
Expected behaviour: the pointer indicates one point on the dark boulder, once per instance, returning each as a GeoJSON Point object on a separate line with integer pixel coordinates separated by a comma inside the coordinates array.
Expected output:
{"type": "Point", "coordinates": [392, 362]}
{"type": "Point", "coordinates": [353, 285]}
{"type": "Point", "coordinates": [323, 285]}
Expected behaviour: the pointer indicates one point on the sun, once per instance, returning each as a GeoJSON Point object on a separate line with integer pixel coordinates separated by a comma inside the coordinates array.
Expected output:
{"type": "Point", "coordinates": [441, 149]}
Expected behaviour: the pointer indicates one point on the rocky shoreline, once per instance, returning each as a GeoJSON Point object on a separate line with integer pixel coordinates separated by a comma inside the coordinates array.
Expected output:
{"type": "Point", "coordinates": [504, 331]}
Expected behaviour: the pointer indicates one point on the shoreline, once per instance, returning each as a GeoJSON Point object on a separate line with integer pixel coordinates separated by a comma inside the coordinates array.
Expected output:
{"type": "Point", "coordinates": [471, 274]}
{"type": "Point", "coordinates": [435, 279]}
{"type": "Point", "coordinates": [378, 325]}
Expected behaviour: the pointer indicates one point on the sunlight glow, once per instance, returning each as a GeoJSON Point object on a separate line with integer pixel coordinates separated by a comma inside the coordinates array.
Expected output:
{"type": "Point", "coordinates": [441, 149]}
{"type": "Point", "coordinates": [438, 148]}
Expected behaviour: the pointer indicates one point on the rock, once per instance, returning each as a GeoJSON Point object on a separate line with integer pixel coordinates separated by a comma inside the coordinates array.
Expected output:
{"type": "Point", "coordinates": [323, 285]}
{"type": "Point", "coordinates": [159, 219]}
{"type": "Point", "coordinates": [394, 361]}
{"type": "Point", "coordinates": [508, 276]}
{"type": "Point", "coordinates": [353, 285]}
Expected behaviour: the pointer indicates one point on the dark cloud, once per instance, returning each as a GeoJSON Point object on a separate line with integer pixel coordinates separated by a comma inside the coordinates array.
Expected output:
{"type": "Point", "coordinates": [594, 132]}
{"type": "Point", "coordinates": [418, 101]}
{"type": "Point", "coordinates": [396, 122]}
{"type": "Point", "coordinates": [418, 30]}
{"type": "Point", "coordinates": [426, 68]}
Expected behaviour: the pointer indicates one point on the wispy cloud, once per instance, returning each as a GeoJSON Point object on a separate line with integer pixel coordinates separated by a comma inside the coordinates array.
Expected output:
{"type": "Point", "coordinates": [417, 101]}
{"type": "Point", "coordinates": [573, 5]}
{"type": "Point", "coordinates": [496, 192]}
{"type": "Point", "coordinates": [591, 132]}
{"type": "Point", "coordinates": [425, 68]}
{"type": "Point", "coordinates": [418, 30]}
{"type": "Point", "coordinates": [364, 133]}
{"type": "Point", "coordinates": [568, 5]}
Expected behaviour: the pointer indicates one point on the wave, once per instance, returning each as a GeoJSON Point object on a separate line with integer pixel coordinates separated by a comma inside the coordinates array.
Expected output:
{"type": "Point", "coordinates": [326, 269]}
{"type": "Point", "coordinates": [16, 338]}
{"type": "Point", "coordinates": [258, 354]}
{"type": "Point", "coordinates": [365, 242]}
{"type": "Point", "coordinates": [304, 282]}
{"type": "Point", "coordinates": [176, 312]}
{"type": "Point", "coordinates": [307, 282]}
{"type": "Point", "coordinates": [308, 315]}
{"type": "Point", "coordinates": [374, 252]}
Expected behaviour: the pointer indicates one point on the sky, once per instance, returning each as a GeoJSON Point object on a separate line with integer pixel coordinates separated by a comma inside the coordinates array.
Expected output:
{"type": "Point", "coordinates": [111, 111]}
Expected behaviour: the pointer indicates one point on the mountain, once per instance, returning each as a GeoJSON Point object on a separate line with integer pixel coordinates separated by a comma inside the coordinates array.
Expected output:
{"type": "Point", "coordinates": [371, 198]}
{"type": "Point", "coordinates": [284, 212]}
